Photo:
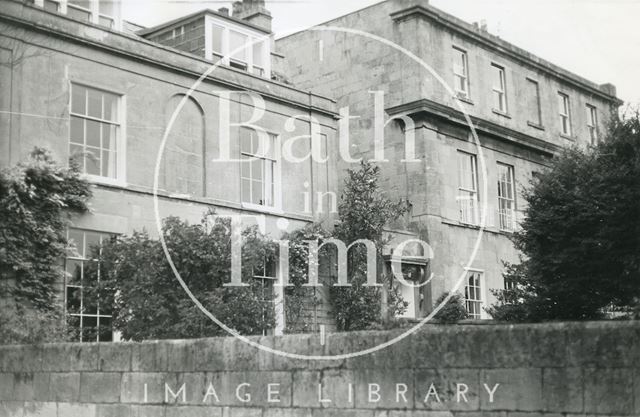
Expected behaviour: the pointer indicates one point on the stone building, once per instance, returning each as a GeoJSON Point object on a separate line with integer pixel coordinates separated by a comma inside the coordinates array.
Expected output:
{"type": "Point", "coordinates": [76, 80]}
{"type": "Point", "coordinates": [422, 71]}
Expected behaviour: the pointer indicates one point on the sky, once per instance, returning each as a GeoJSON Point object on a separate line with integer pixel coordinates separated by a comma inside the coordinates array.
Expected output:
{"type": "Point", "coordinates": [596, 39]}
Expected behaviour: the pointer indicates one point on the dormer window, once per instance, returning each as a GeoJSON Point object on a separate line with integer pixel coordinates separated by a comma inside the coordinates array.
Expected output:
{"type": "Point", "coordinates": [238, 46]}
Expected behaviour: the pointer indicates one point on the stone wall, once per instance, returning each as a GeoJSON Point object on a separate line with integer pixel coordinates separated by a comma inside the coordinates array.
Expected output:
{"type": "Point", "coordinates": [551, 370]}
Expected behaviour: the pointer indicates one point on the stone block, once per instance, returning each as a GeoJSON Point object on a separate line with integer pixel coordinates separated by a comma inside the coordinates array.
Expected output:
{"type": "Point", "coordinates": [149, 357]}
{"type": "Point", "coordinates": [64, 387]}
{"type": "Point", "coordinates": [6, 386]}
{"type": "Point", "coordinates": [608, 391]}
{"type": "Point", "coordinates": [305, 388]}
{"type": "Point", "coordinates": [115, 357]}
{"type": "Point", "coordinates": [76, 410]}
{"type": "Point", "coordinates": [287, 412]}
{"type": "Point", "coordinates": [241, 412]}
{"type": "Point", "coordinates": [65, 357]}
{"type": "Point", "coordinates": [113, 410]}
{"type": "Point", "coordinates": [192, 411]}
{"type": "Point", "coordinates": [180, 356]}
{"type": "Point", "coordinates": [456, 389]}
{"type": "Point", "coordinates": [147, 411]}
{"type": "Point", "coordinates": [209, 355]}
{"type": "Point", "coordinates": [23, 386]}
{"type": "Point", "coordinates": [519, 389]}
{"type": "Point", "coordinates": [562, 389]}
{"type": "Point", "coordinates": [11, 408]}
{"type": "Point", "coordinates": [100, 387]}
{"type": "Point", "coordinates": [40, 409]}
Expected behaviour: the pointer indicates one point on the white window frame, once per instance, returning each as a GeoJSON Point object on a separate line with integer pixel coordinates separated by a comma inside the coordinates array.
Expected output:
{"type": "Point", "coordinates": [507, 217]}
{"type": "Point", "coordinates": [467, 198]}
{"type": "Point", "coordinates": [500, 91]}
{"type": "Point", "coordinates": [252, 36]}
{"type": "Point", "coordinates": [276, 208]}
{"type": "Point", "coordinates": [93, 10]}
{"type": "Point", "coordinates": [480, 300]}
{"type": "Point", "coordinates": [564, 112]}
{"type": "Point", "coordinates": [121, 148]}
{"type": "Point", "coordinates": [592, 123]}
{"type": "Point", "coordinates": [83, 258]}
{"type": "Point", "coordinates": [465, 93]}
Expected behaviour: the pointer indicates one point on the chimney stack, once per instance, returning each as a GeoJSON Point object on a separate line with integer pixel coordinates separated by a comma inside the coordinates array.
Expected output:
{"type": "Point", "coordinates": [224, 11]}
{"type": "Point", "coordinates": [254, 12]}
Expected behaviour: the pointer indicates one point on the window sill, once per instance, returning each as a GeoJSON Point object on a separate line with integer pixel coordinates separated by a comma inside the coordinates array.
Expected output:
{"type": "Point", "coordinates": [535, 126]}
{"type": "Point", "coordinates": [262, 209]}
{"type": "Point", "coordinates": [464, 99]}
{"type": "Point", "coordinates": [567, 137]}
{"type": "Point", "coordinates": [94, 179]}
{"type": "Point", "coordinates": [501, 113]}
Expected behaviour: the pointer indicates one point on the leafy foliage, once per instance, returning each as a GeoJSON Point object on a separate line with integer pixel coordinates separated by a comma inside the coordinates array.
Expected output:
{"type": "Point", "coordinates": [363, 212]}
{"type": "Point", "coordinates": [148, 301]}
{"type": "Point", "coordinates": [36, 198]}
{"type": "Point", "coordinates": [453, 311]}
{"type": "Point", "coordinates": [581, 236]}
{"type": "Point", "coordinates": [19, 325]}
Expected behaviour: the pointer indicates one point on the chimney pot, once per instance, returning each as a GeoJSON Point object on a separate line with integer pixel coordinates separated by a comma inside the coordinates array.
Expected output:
{"type": "Point", "coordinates": [224, 11]}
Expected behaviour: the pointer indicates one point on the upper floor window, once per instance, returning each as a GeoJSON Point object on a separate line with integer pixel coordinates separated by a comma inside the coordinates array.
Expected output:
{"type": "Point", "coordinates": [95, 131]}
{"type": "Point", "coordinates": [102, 12]}
{"type": "Point", "coordinates": [258, 168]}
{"type": "Point", "coordinates": [533, 102]}
{"type": "Point", "coordinates": [238, 47]}
{"type": "Point", "coordinates": [473, 294]}
{"type": "Point", "coordinates": [467, 188]}
{"type": "Point", "coordinates": [499, 88]}
{"type": "Point", "coordinates": [460, 73]}
{"type": "Point", "coordinates": [90, 318]}
{"type": "Point", "coordinates": [506, 197]}
{"type": "Point", "coordinates": [565, 114]}
{"type": "Point", "coordinates": [592, 124]}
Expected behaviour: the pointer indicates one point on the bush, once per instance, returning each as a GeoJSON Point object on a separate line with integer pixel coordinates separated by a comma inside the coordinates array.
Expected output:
{"type": "Point", "coordinates": [581, 237]}
{"type": "Point", "coordinates": [24, 326]}
{"type": "Point", "coordinates": [453, 311]}
{"type": "Point", "coordinates": [148, 301]}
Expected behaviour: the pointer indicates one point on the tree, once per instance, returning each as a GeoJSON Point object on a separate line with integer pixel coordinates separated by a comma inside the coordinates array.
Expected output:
{"type": "Point", "coordinates": [363, 212]}
{"type": "Point", "coordinates": [580, 240]}
{"type": "Point", "coordinates": [36, 199]}
{"type": "Point", "coordinates": [148, 301]}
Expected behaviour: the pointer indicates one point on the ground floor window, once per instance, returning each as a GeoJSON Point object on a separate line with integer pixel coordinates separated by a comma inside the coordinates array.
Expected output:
{"type": "Point", "coordinates": [90, 318]}
{"type": "Point", "coordinates": [266, 275]}
{"type": "Point", "coordinates": [473, 294]}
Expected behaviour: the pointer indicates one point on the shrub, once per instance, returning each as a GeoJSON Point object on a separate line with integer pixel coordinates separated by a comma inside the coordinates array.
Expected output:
{"type": "Point", "coordinates": [453, 311]}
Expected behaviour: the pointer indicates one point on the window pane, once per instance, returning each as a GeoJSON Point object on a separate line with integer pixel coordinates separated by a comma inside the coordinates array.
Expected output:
{"type": "Point", "coordinates": [78, 99]}
{"type": "Point", "coordinates": [110, 107]}
{"type": "Point", "coordinates": [105, 333]}
{"type": "Point", "coordinates": [76, 134]}
{"type": "Point", "coordinates": [246, 191]}
{"type": "Point", "coordinates": [95, 104]}
{"type": "Point", "coordinates": [75, 243]}
{"type": "Point", "coordinates": [92, 161]}
{"type": "Point", "coordinates": [216, 34]}
{"type": "Point", "coordinates": [108, 164]}
{"type": "Point", "coordinates": [108, 137]}
{"type": "Point", "coordinates": [237, 43]}
{"type": "Point", "coordinates": [93, 133]}
{"type": "Point", "coordinates": [73, 268]}
{"type": "Point", "coordinates": [89, 329]}
{"type": "Point", "coordinates": [73, 300]}
{"type": "Point", "coordinates": [107, 7]}
{"type": "Point", "coordinates": [256, 192]}
{"type": "Point", "coordinates": [245, 167]}
{"type": "Point", "coordinates": [257, 169]}
{"type": "Point", "coordinates": [258, 49]}
{"type": "Point", "coordinates": [78, 14]}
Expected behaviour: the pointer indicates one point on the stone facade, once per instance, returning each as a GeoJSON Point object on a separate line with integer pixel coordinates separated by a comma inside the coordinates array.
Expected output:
{"type": "Point", "coordinates": [581, 370]}
{"type": "Point", "coordinates": [511, 97]}
{"type": "Point", "coordinates": [49, 59]}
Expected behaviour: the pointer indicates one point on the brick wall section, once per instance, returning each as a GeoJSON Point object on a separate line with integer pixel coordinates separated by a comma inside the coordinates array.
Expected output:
{"type": "Point", "coordinates": [554, 370]}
